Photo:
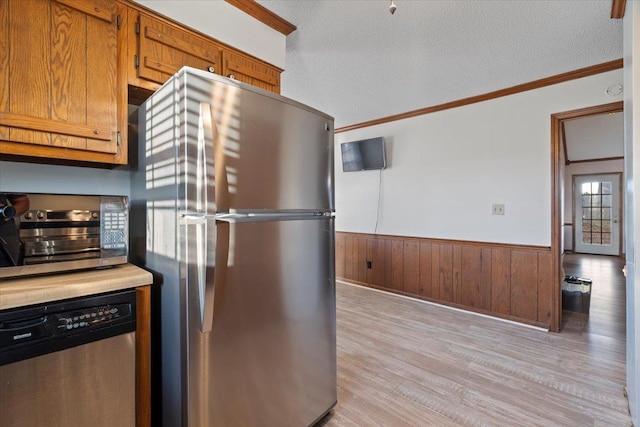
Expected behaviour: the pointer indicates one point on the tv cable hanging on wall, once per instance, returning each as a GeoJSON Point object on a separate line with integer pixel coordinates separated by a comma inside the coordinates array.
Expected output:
{"type": "Point", "coordinates": [363, 155]}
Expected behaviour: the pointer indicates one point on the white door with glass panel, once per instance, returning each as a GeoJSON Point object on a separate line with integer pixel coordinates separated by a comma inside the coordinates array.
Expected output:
{"type": "Point", "coordinates": [597, 214]}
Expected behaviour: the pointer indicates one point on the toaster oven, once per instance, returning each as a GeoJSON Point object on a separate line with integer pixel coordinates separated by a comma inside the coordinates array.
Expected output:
{"type": "Point", "coordinates": [48, 233]}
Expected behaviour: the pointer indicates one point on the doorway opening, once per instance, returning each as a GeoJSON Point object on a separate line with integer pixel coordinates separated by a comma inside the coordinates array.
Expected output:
{"type": "Point", "coordinates": [596, 214]}
{"type": "Point", "coordinates": [569, 161]}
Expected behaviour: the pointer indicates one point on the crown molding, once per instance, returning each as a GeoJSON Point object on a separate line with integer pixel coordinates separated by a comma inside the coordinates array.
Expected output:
{"type": "Point", "coordinates": [617, 8]}
{"type": "Point", "coordinates": [536, 84]}
{"type": "Point", "coordinates": [264, 15]}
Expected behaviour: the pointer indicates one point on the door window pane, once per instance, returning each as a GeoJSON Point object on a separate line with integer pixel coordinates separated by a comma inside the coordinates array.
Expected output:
{"type": "Point", "coordinates": [586, 200]}
{"type": "Point", "coordinates": [596, 212]}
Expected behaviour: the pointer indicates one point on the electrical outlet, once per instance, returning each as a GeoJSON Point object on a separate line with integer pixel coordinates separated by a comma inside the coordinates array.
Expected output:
{"type": "Point", "coordinates": [497, 209]}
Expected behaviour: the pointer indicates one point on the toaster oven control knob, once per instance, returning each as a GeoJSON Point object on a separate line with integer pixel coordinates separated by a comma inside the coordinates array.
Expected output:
{"type": "Point", "coordinates": [7, 212]}
{"type": "Point", "coordinates": [94, 215]}
{"type": "Point", "coordinates": [40, 215]}
{"type": "Point", "coordinates": [28, 215]}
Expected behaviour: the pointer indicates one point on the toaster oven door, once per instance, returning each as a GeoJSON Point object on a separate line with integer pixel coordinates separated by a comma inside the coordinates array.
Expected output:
{"type": "Point", "coordinates": [45, 233]}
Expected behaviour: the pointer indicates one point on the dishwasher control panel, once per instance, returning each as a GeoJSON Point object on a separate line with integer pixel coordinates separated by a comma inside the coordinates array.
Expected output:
{"type": "Point", "coordinates": [91, 317]}
{"type": "Point", "coordinates": [62, 323]}
{"type": "Point", "coordinates": [32, 331]}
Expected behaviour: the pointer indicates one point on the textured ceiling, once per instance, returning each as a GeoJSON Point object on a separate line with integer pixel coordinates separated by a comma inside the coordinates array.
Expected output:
{"type": "Point", "coordinates": [357, 62]}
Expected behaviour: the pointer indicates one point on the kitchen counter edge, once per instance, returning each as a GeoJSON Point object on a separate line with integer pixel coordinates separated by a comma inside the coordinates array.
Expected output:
{"type": "Point", "coordinates": [27, 291]}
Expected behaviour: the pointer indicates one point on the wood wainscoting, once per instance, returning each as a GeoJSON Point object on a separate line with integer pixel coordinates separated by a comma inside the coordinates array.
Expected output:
{"type": "Point", "coordinates": [508, 281]}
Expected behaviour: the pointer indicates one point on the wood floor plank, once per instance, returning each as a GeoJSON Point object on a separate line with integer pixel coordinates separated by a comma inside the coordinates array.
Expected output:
{"type": "Point", "coordinates": [405, 362]}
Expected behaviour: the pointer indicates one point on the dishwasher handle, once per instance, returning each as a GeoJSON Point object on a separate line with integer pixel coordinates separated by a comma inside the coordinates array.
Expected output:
{"type": "Point", "coordinates": [22, 332]}
{"type": "Point", "coordinates": [22, 324]}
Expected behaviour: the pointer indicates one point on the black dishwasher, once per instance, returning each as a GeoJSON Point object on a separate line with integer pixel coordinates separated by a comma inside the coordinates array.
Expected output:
{"type": "Point", "coordinates": [69, 363]}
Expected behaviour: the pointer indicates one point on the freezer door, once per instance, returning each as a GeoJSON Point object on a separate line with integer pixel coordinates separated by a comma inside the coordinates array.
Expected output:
{"type": "Point", "coordinates": [269, 358]}
{"type": "Point", "coordinates": [267, 152]}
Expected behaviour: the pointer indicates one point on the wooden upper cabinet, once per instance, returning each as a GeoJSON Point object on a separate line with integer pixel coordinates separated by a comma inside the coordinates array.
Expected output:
{"type": "Point", "coordinates": [247, 70]}
{"type": "Point", "coordinates": [59, 93]}
{"type": "Point", "coordinates": [164, 48]}
{"type": "Point", "coordinates": [158, 47]}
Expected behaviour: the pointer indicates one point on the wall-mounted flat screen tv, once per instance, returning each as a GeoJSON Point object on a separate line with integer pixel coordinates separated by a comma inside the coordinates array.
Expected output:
{"type": "Point", "coordinates": [366, 154]}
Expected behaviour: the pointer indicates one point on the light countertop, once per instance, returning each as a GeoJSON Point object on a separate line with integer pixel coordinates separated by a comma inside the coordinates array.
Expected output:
{"type": "Point", "coordinates": [41, 289]}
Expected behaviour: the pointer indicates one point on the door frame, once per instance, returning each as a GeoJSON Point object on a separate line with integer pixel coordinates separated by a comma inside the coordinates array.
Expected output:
{"type": "Point", "coordinates": [557, 178]}
{"type": "Point", "coordinates": [620, 208]}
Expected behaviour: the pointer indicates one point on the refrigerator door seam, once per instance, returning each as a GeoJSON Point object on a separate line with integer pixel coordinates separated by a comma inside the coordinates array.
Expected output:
{"type": "Point", "coordinates": [257, 217]}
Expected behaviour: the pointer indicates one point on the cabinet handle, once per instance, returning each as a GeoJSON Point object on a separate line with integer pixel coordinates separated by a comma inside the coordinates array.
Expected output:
{"type": "Point", "coordinates": [232, 77]}
{"type": "Point", "coordinates": [211, 69]}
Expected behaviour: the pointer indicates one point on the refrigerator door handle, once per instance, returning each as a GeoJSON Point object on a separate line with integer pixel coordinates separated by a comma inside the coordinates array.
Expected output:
{"type": "Point", "coordinates": [205, 142]}
{"type": "Point", "coordinates": [221, 183]}
{"type": "Point", "coordinates": [205, 289]}
{"type": "Point", "coordinates": [211, 286]}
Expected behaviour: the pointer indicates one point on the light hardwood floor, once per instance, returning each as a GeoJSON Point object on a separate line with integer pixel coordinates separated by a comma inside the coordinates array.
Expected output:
{"type": "Point", "coordinates": [403, 362]}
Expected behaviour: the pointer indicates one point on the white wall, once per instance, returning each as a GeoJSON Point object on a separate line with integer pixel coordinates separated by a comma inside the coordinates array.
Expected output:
{"type": "Point", "coordinates": [447, 168]}
{"type": "Point", "coordinates": [631, 37]}
{"type": "Point", "coordinates": [227, 24]}
{"type": "Point", "coordinates": [587, 168]}
{"type": "Point", "coordinates": [36, 178]}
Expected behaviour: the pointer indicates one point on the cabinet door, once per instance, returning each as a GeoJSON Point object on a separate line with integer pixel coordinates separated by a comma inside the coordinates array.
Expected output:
{"type": "Point", "coordinates": [250, 70]}
{"type": "Point", "coordinates": [58, 79]}
{"type": "Point", "coordinates": [165, 48]}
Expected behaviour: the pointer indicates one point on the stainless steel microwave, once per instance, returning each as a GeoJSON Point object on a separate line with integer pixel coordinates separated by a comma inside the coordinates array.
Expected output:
{"type": "Point", "coordinates": [47, 233]}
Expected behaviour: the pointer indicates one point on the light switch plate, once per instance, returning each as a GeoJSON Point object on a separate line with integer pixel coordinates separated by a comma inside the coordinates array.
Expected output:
{"type": "Point", "coordinates": [497, 209]}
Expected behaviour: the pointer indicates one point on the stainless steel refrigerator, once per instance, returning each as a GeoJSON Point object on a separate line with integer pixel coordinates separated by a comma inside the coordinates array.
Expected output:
{"type": "Point", "coordinates": [232, 208]}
